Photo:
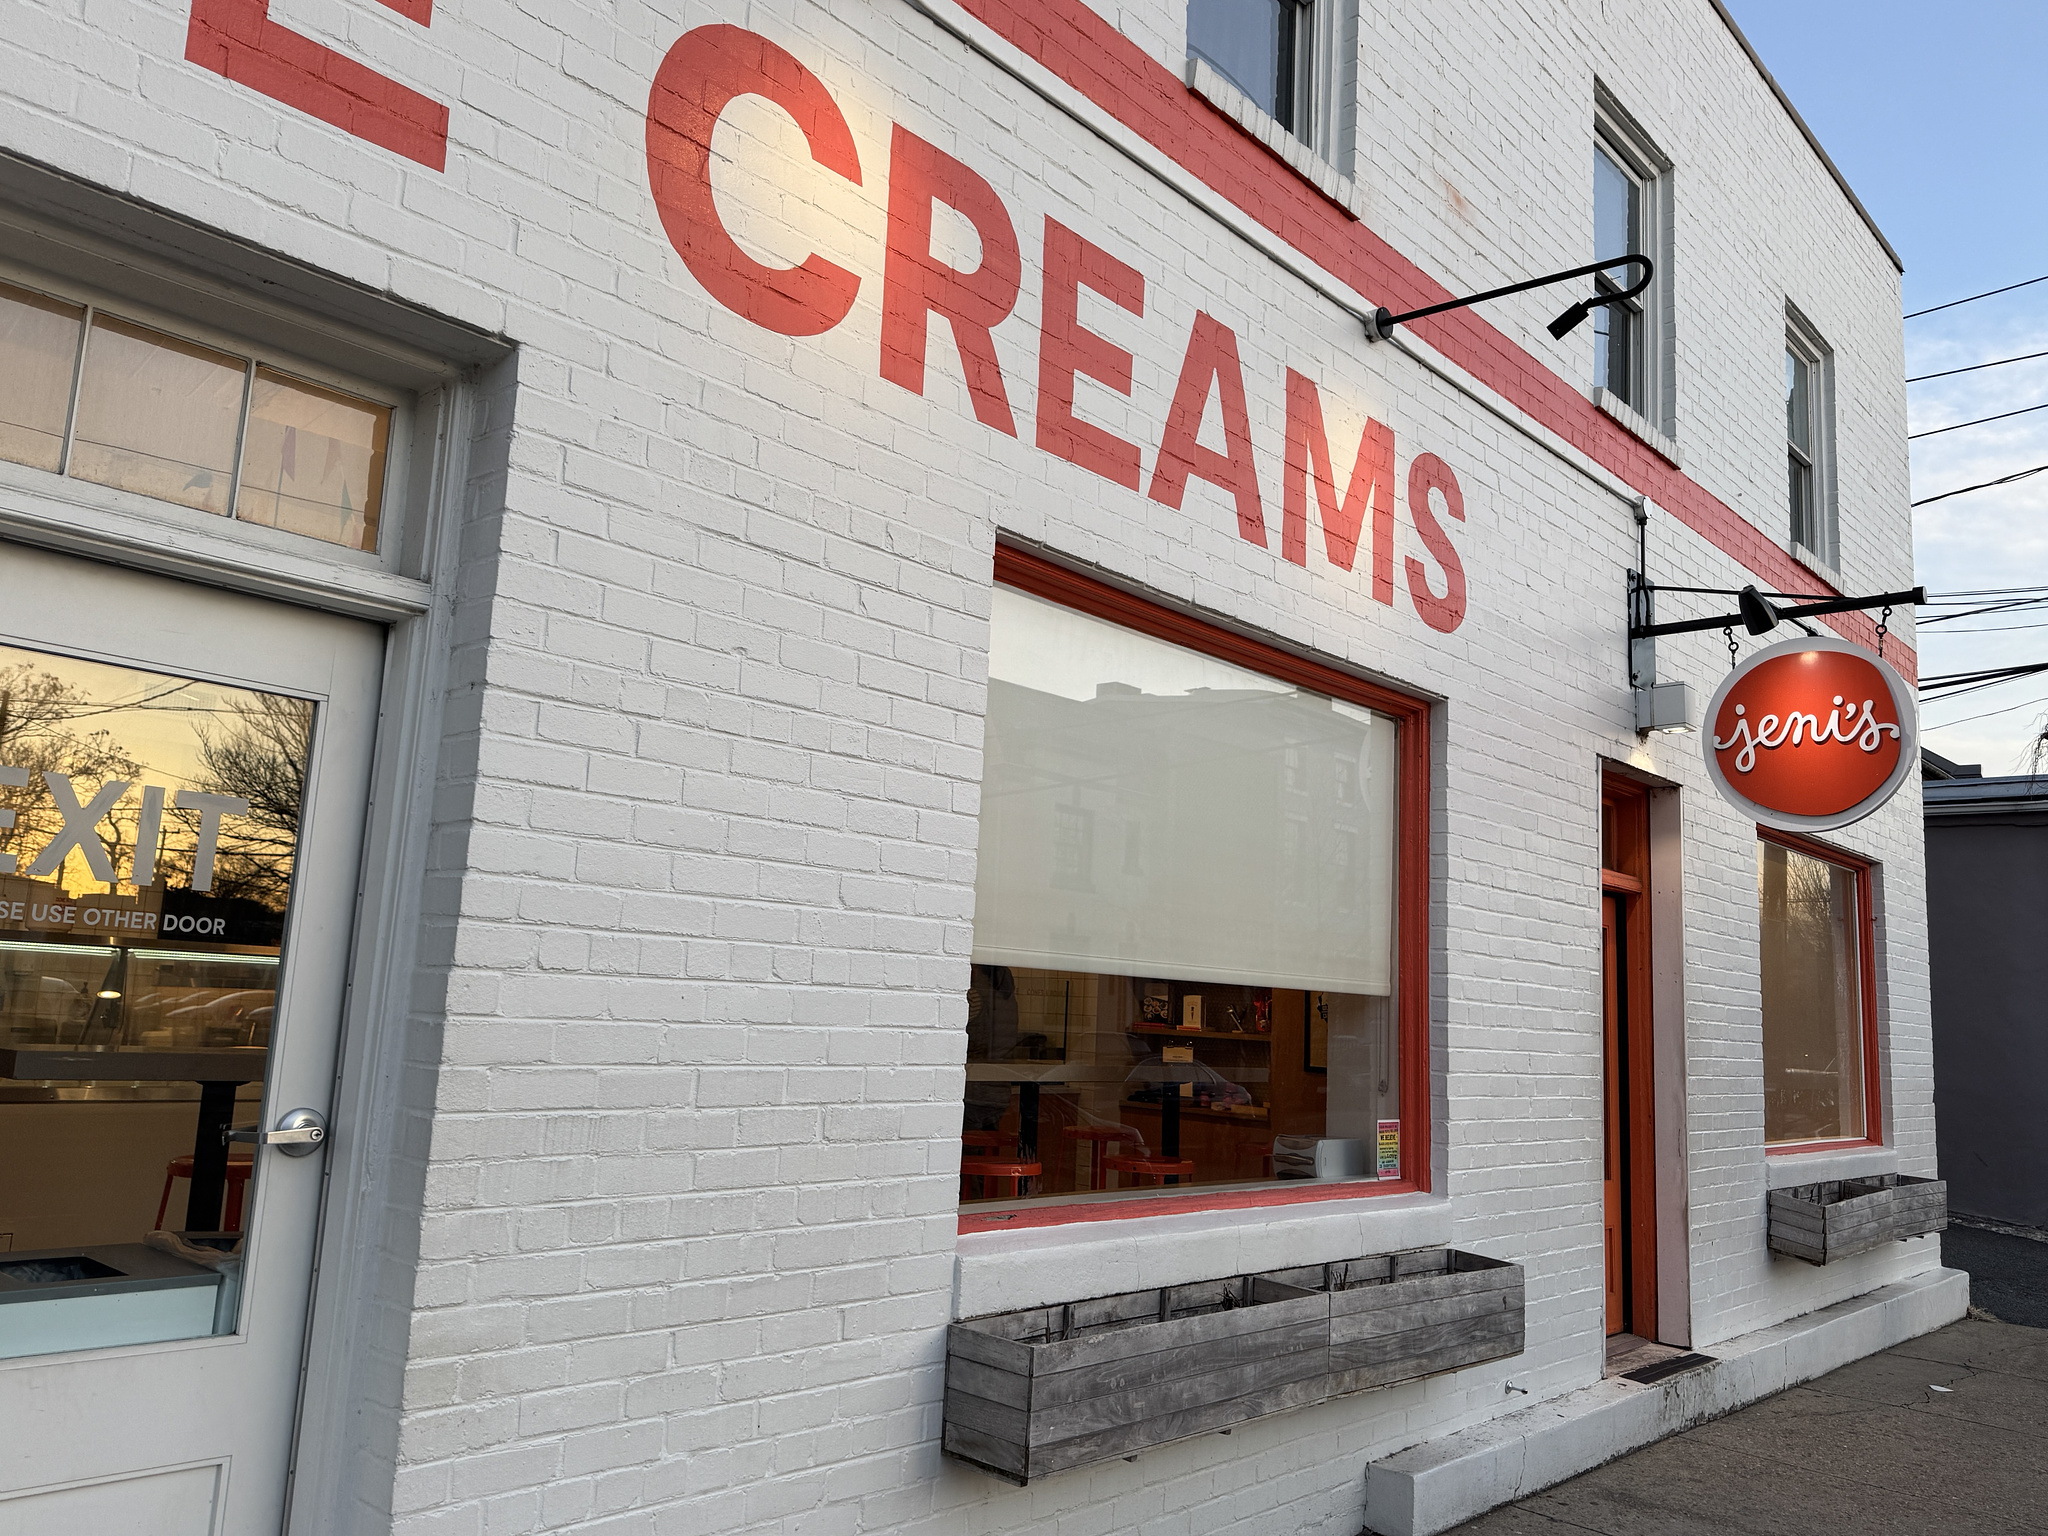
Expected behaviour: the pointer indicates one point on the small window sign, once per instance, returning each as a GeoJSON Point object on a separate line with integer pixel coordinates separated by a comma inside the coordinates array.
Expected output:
{"type": "Point", "coordinates": [1390, 1149]}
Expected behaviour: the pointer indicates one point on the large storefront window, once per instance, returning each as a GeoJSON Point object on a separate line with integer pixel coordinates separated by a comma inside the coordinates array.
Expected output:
{"type": "Point", "coordinates": [1184, 942]}
{"type": "Point", "coordinates": [1816, 1004]}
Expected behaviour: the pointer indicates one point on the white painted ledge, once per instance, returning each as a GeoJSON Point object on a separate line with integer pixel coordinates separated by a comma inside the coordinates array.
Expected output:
{"type": "Point", "coordinates": [1608, 402]}
{"type": "Point", "coordinates": [1789, 1168]}
{"type": "Point", "coordinates": [1442, 1483]}
{"type": "Point", "coordinates": [1042, 1266]}
{"type": "Point", "coordinates": [1209, 84]}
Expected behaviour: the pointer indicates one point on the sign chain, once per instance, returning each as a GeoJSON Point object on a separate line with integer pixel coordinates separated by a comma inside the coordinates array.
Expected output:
{"type": "Point", "coordinates": [1884, 624]}
{"type": "Point", "coordinates": [1734, 655]}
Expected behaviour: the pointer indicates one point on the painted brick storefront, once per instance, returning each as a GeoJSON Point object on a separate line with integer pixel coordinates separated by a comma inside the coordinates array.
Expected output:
{"type": "Point", "coordinates": [649, 1216]}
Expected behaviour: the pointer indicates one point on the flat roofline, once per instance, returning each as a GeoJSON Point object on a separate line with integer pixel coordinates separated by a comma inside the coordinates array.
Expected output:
{"type": "Point", "coordinates": [1792, 112]}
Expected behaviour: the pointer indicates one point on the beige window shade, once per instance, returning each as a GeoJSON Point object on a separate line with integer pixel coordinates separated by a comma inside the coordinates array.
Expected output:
{"type": "Point", "coordinates": [1150, 811]}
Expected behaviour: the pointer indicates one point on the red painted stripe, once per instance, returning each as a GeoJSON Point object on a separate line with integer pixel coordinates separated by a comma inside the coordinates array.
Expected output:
{"type": "Point", "coordinates": [1176, 1205]}
{"type": "Point", "coordinates": [1121, 78]}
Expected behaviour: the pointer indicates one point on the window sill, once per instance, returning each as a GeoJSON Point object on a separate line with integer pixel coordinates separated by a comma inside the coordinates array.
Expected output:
{"type": "Point", "coordinates": [1819, 1162]}
{"type": "Point", "coordinates": [1206, 82]}
{"type": "Point", "coordinates": [1607, 401]}
{"type": "Point", "coordinates": [1001, 1271]}
{"type": "Point", "coordinates": [1823, 568]}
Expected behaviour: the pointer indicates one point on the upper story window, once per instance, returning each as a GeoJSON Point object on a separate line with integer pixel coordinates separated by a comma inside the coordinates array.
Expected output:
{"type": "Point", "coordinates": [1617, 231]}
{"type": "Point", "coordinates": [1808, 429]}
{"type": "Point", "coordinates": [1266, 48]}
{"type": "Point", "coordinates": [1632, 350]}
{"type": "Point", "coordinates": [96, 397]}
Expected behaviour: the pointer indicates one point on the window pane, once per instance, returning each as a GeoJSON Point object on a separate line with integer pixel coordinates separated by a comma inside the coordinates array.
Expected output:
{"type": "Point", "coordinates": [1812, 997]}
{"type": "Point", "coordinates": [38, 352]}
{"type": "Point", "coordinates": [1799, 402]}
{"type": "Point", "coordinates": [1801, 475]}
{"type": "Point", "coordinates": [1183, 915]}
{"type": "Point", "coordinates": [157, 416]}
{"type": "Point", "coordinates": [149, 948]}
{"type": "Point", "coordinates": [313, 461]}
{"type": "Point", "coordinates": [1614, 334]}
{"type": "Point", "coordinates": [1241, 39]}
{"type": "Point", "coordinates": [1617, 213]}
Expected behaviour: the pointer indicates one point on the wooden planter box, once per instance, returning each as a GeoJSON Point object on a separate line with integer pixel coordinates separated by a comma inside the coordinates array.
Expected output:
{"type": "Point", "coordinates": [1049, 1388]}
{"type": "Point", "coordinates": [1399, 1316]}
{"type": "Point", "coordinates": [1825, 1222]}
{"type": "Point", "coordinates": [1042, 1390]}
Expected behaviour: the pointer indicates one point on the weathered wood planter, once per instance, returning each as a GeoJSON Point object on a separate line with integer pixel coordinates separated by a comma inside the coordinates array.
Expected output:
{"type": "Point", "coordinates": [1398, 1316]}
{"type": "Point", "coordinates": [1825, 1222]}
{"type": "Point", "coordinates": [1039, 1391]}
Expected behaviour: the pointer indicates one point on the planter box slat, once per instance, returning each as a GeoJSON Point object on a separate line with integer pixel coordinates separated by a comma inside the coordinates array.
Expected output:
{"type": "Point", "coordinates": [1824, 1222]}
{"type": "Point", "coordinates": [1049, 1388]}
{"type": "Point", "coordinates": [1306, 1335]}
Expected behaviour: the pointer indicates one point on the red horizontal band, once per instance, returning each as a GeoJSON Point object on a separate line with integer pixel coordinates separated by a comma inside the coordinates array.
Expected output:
{"type": "Point", "coordinates": [1177, 1205]}
{"type": "Point", "coordinates": [1137, 90]}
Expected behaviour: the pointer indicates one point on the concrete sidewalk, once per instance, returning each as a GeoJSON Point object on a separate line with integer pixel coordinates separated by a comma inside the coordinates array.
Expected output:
{"type": "Point", "coordinates": [1876, 1448]}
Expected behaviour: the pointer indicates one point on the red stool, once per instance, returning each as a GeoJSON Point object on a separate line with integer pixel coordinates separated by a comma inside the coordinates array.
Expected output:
{"type": "Point", "coordinates": [1160, 1168]}
{"type": "Point", "coordinates": [986, 1143]}
{"type": "Point", "coordinates": [1097, 1137]}
{"type": "Point", "coordinates": [982, 1169]}
{"type": "Point", "coordinates": [238, 1175]}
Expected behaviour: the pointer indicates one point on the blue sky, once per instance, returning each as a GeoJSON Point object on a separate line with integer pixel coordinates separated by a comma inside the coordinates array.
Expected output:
{"type": "Point", "coordinates": [1937, 115]}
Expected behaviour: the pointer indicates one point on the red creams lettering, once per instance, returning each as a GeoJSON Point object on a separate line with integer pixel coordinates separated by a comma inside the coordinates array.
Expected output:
{"type": "Point", "coordinates": [702, 74]}
{"type": "Point", "coordinates": [1211, 360]}
{"type": "Point", "coordinates": [1065, 349]}
{"type": "Point", "coordinates": [1430, 473]}
{"type": "Point", "coordinates": [917, 285]}
{"type": "Point", "coordinates": [1372, 480]}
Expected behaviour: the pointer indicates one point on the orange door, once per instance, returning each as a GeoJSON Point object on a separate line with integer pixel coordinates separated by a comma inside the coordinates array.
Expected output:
{"type": "Point", "coordinates": [1614, 1149]}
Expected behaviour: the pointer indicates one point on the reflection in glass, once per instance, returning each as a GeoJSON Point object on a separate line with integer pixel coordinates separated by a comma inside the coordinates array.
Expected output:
{"type": "Point", "coordinates": [1185, 874]}
{"type": "Point", "coordinates": [1617, 231]}
{"type": "Point", "coordinates": [1799, 447]}
{"type": "Point", "coordinates": [158, 416]}
{"type": "Point", "coordinates": [38, 354]}
{"type": "Point", "coordinates": [313, 461]}
{"type": "Point", "coordinates": [1812, 997]}
{"type": "Point", "coordinates": [139, 958]}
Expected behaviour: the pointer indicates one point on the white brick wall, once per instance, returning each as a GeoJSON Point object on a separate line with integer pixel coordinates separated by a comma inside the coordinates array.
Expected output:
{"type": "Point", "coordinates": [703, 890]}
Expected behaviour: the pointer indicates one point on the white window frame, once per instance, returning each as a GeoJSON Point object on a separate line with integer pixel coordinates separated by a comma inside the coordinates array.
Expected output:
{"type": "Point", "coordinates": [1823, 552]}
{"type": "Point", "coordinates": [1653, 415]}
{"type": "Point", "coordinates": [1324, 154]}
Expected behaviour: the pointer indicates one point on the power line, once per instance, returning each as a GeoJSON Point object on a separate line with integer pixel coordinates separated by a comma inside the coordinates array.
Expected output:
{"type": "Point", "coordinates": [1949, 373]}
{"type": "Point", "coordinates": [1982, 485]}
{"type": "Point", "coordinates": [2008, 709]}
{"type": "Point", "coordinates": [1978, 422]}
{"type": "Point", "coordinates": [1973, 298]}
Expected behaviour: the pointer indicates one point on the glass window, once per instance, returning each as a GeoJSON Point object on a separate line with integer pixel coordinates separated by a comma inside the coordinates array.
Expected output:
{"type": "Point", "coordinates": [145, 866]}
{"type": "Point", "coordinates": [1264, 48]}
{"type": "Point", "coordinates": [163, 417]}
{"type": "Point", "coordinates": [1617, 231]}
{"type": "Point", "coordinates": [1813, 942]}
{"type": "Point", "coordinates": [1802, 448]}
{"type": "Point", "coordinates": [312, 461]}
{"type": "Point", "coordinates": [38, 356]}
{"type": "Point", "coordinates": [1218, 1009]}
{"type": "Point", "coordinates": [158, 416]}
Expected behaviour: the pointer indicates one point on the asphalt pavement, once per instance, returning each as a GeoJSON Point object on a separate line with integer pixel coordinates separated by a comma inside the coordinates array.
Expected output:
{"type": "Point", "coordinates": [1945, 1435]}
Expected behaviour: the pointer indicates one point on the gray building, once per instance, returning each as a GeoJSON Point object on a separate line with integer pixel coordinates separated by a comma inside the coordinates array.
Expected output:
{"type": "Point", "coordinates": [1987, 893]}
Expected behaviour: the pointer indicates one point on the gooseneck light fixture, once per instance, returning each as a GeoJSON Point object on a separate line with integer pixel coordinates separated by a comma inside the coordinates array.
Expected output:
{"type": "Point", "coordinates": [1379, 325]}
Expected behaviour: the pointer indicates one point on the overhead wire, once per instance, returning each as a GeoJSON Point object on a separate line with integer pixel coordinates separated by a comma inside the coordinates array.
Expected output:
{"type": "Point", "coordinates": [1957, 426]}
{"type": "Point", "coordinates": [1973, 298]}
{"type": "Point", "coordinates": [1949, 373]}
{"type": "Point", "coordinates": [1982, 485]}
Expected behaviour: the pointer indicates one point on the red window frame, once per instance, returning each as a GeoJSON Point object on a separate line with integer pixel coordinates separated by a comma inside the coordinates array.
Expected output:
{"type": "Point", "coordinates": [1866, 965]}
{"type": "Point", "coordinates": [1033, 574]}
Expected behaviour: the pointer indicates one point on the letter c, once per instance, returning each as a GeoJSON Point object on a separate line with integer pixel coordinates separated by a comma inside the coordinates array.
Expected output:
{"type": "Point", "coordinates": [702, 74]}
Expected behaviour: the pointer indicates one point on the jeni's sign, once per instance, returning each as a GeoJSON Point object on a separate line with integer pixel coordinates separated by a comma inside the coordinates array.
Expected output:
{"type": "Point", "coordinates": [710, 68]}
{"type": "Point", "coordinates": [1811, 734]}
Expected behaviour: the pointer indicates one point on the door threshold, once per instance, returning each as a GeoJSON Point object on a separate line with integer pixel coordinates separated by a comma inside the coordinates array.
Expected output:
{"type": "Point", "coordinates": [1630, 1352]}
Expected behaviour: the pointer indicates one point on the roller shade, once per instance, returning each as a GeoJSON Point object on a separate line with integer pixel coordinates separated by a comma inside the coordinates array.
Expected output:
{"type": "Point", "coordinates": [1150, 811]}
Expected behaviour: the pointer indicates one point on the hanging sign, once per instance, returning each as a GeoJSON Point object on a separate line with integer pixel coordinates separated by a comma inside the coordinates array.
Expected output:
{"type": "Point", "coordinates": [1808, 735]}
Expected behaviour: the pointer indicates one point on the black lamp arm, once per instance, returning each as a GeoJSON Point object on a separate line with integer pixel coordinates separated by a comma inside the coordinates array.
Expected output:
{"type": "Point", "coordinates": [1914, 597]}
{"type": "Point", "coordinates": [1380, 324]}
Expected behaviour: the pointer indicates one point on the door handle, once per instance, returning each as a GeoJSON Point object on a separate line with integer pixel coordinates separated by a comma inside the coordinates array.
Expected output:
{"type": "Point", "coordinates": [299, 1134]}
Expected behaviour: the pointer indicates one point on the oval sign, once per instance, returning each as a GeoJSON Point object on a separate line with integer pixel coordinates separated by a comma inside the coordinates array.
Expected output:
{"type": "Point", "coordinates": [1808, 734]}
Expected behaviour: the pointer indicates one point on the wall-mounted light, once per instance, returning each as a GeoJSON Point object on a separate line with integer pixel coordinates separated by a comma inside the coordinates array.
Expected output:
{"type": "Point", "coordinates": [1664, 707]}
{"type": "Point", "coordinates": [1379, 325]}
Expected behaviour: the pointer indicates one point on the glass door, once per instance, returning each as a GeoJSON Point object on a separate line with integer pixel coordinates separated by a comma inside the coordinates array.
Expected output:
{"type": "Point", "coordinates": [182, 782]}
